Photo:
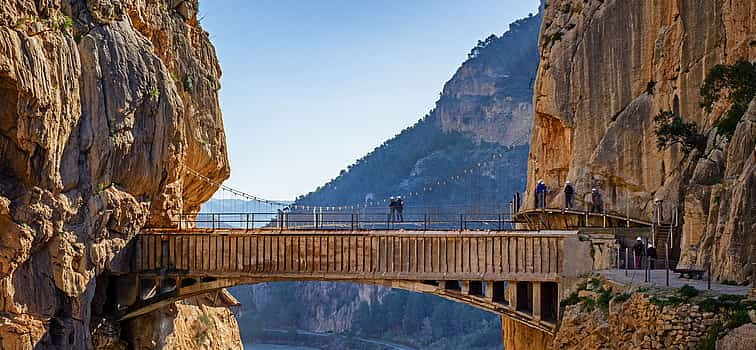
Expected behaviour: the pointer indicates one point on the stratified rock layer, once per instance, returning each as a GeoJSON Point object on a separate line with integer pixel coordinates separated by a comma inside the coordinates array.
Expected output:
{"type": "Point", "coordinates": [105, 103]}
{"type": "Point", "coordinates": [607, 68]}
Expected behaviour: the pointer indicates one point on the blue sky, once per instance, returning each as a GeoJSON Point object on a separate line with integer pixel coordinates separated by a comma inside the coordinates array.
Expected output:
{"type": "Point", "coordinates": [310, 86]}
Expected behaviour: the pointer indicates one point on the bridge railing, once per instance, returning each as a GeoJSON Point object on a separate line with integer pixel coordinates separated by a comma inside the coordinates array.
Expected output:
{"type": "Point", "coordinates": [358, 220]}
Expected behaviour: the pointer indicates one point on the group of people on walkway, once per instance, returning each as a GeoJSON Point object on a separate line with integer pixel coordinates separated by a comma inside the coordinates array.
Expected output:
{"type": "Point", "coordinates": [396, 207]}
{"type": "Point", "coordinates": [595, 206]}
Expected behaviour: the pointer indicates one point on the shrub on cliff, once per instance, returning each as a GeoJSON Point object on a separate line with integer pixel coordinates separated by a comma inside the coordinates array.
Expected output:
{"type": "Point", "coordinates": [738, 82]}
{"type": "Point", "coordinates": [671, 129]}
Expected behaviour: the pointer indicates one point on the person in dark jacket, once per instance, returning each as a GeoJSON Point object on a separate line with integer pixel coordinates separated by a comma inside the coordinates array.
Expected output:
{"type": "Point", "coordinates": [651, 252]}
{"type": "Point", "coordinates": [392, 208]}
{"type": "Point", "coordinates": [541, 194]}
{"type": "Point", "coordinates": [638, 252]}
{"type": "Point", "coordinates": [597, 203]}
{"type": "Point", "coordinates": [569, 195]}
{"type": "Point", "coordinates": [400, 208]}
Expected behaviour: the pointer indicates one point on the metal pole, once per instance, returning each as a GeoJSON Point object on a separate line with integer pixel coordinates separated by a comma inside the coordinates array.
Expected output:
{"type": "Point", "coordinates": [627, 259]}
{"type": "Point", "coordinates": [246, 224]}
{"type": "Point", "coordinates": [666, 263]}
{"type": "Point", "coordinates": [618, 257]}
{"type": "Point", "coordinates": [708, 278]}
{"type": "Point", "coordinates": [461, 218]}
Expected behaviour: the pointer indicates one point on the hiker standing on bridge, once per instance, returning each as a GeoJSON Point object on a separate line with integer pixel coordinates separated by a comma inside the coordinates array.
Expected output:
{"type": "Point", "coordinates": [392, 208]}
{"type": "Point", "coordinates": [400, 208]}
{"type": "Point", "coordinates": [597, 203]}
{"type": "Point", "coordinates": [541, 194]}
{"type": "Point", "coordinates": [569, 195]}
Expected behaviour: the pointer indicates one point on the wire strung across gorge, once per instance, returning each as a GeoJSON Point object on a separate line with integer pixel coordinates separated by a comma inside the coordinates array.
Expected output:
{"type": "Point", "coordinates": [428, 187]}
{"type": "Point", "coordinates": [233, 191]}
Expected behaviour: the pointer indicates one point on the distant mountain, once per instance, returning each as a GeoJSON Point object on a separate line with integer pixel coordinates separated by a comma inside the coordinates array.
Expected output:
{"type": "Point", "coordinates": [470, 150]}
{"type": "Point", "coordinates": [474, 142]}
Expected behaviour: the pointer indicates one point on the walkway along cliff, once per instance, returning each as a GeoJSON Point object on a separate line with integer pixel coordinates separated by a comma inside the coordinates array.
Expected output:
{"type": "Point", "coordinates": [103, 105]}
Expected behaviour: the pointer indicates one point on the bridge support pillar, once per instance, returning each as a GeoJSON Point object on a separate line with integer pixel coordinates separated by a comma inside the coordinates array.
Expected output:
{"type": "Point", "coordinates": [536, 301]}
{"type": "Point", "coordinates": [466, 287]}
{"type": "Point", "coordinates": [489, 290]}
{"type": "Point", "coordinates": [512, 295]}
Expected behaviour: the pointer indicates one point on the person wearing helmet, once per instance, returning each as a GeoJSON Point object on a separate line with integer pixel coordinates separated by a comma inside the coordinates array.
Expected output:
{"type": "Point", "coordinates": [597, 203]}
{"type": "Point", "coordinates": [569, 195]}
{"type": "Point", "coordinates": [541, 194]}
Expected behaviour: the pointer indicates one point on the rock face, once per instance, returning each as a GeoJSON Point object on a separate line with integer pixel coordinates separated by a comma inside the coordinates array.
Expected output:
{"type": "Point", "coordinates": [607, 68]}
{"type": "Point", "coordinates": [489, 97]}
{"type": "Point", "coordinates": [634, 324]}
{"type": "Point", "coordinates": [194, 323]}
{"type": "Point", "coordinates": [105, 103]}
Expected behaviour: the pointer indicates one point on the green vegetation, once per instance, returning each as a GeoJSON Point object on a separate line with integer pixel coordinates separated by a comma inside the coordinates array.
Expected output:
{"type": "Point", "coordinates": [687, 292]}
{"type": "Point", "coordinates": [67, 22]}
{"type": "Point", "coordinates": [621, 298]}
{"type": "Point", "coordinates": [205, 320]}
{"type": "Point", "coordinates": [671, 129]}
{"type": "Point", "coordinates": [189, 82]}
{"type": "Point", "coordinates": [738, 83]}
{"type": "Point", "coordinates": [709, 340]}
{"type": "Point", "coordinates": [154, 93]}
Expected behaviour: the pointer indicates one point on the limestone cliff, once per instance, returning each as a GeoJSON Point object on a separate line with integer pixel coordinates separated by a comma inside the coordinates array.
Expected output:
{"type": "Point", "coordinates": [489, 97]}
{"type": "Point", "coordinates": [104, 105]}
{"type": "Point", "coordinates": [607, 68]}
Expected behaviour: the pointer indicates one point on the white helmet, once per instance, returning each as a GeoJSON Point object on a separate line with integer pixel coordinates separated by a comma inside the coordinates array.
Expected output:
{"type": "Point", "coordinates": [568, 182]}
{"type": "Point", "coordinates": [540, 181]}
{"type": "Point", "coordinates": [398, 197]}
{"type": "Point", "coordinates": [638, 239]}
{"type": "Point", "coordinates": [392, 197]}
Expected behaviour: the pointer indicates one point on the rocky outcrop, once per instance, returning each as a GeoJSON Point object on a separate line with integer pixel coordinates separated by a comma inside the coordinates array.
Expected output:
{"type": "Point", "coordinates": [741, 338]}
{"type": "Point", "coordinates": [195, 323]}
{"type": "Point", "coordinates": [516, 335]}
{"type": "Point", "coordinates": [634, 324]}
{"type": "Point", "coordinates": [607, 68]}
{"type": "Point", "coordinates": [489, 97]}
{"type": "Point", "coordinates": [104, 105]}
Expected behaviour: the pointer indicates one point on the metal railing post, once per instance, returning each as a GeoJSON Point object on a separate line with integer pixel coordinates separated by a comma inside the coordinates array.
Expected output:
{"type": "Point", "coordinates": [461, 218]}
{"type": "Point", "coordinates": [246, 223]}
{"type": "Point", "coordinates": [708, 276]}
{"type": "Point", "coordinates": [666, 263]}
{"type": "Point", "coordinates": [627, 259]}
{"type": "Point", "coordinates": [425, 222]}
{"type": "Point", "coordinates": [212, 218]}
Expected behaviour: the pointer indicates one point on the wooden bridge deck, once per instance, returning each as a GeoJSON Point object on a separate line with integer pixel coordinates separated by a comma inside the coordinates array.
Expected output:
{"type": "Point", "coordinates": [327, 255]}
